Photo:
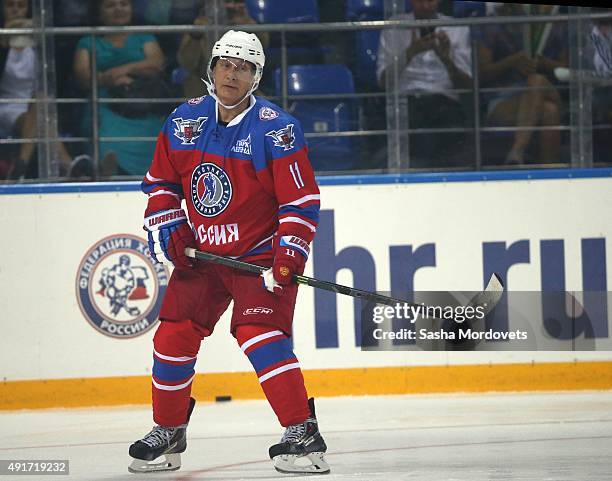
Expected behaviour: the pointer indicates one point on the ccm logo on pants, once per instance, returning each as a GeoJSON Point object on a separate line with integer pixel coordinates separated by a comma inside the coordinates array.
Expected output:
{"type": "Point", "coordinates": [257, 310]}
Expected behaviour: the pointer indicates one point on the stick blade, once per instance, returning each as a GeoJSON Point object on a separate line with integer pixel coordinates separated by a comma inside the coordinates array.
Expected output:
{"type": "Point", "coordinates": [489, 298]}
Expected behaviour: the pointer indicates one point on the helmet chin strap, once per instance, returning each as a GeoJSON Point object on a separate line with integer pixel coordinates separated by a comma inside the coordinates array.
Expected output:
{"type": "Point", "coordinates": [211, 91]}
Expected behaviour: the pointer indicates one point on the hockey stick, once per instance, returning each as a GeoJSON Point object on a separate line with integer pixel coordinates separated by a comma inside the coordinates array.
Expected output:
{"type": "Point", "coordinates": [488, 298]}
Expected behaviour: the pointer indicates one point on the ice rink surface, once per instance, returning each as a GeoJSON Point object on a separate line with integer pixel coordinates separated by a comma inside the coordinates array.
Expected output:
{"type": "Point", "coordinates": [552, 436]}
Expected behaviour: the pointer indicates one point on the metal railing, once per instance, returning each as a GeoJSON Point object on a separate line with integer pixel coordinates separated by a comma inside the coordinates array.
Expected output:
{"type": "Point", "coordinates": [396, 161]}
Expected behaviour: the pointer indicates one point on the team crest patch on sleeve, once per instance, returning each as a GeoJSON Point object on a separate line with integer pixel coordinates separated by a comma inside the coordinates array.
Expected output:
{"type": "Point", "coordinates": [283, 137]}
{"type": "Point", "coordinates": [266, 113]}
{"type": "Point", "coordinates": [196, 100]}
{"type": "Point", "coordinates": [188, 130]}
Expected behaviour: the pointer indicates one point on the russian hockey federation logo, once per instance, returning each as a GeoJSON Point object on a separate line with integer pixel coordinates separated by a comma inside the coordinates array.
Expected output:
{"type": "Point", "coordinates": [211, 189]}
{"type": "Point", "coordinates": [283, 138]}
{"type": "Point", "coordinates": [188, 130]}
{"type": "Point", "coordinates": [119, 289]}
{"type": "Point", "coordinates": [266, 113]}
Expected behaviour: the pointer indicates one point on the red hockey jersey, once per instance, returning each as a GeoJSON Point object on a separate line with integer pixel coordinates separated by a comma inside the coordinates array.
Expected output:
{"type": "Point", "coordinates": [242, 183]}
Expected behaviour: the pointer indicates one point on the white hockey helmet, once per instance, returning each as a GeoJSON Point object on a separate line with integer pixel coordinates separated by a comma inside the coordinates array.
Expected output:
{"type": "Point", "coordinates": [242, 45]}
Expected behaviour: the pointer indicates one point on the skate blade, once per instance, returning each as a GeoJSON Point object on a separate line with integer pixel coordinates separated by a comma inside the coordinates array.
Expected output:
{"type": "Point", "coordinates": [312, 463]}
{"type": "Point", "coordinates": [170, 462]}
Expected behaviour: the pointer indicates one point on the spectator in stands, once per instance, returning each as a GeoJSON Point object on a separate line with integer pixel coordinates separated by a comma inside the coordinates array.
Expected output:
{"type": "Point", "coordinates": [506, 61]}
{"type": "Point", "coordinates": [601, 38]}
{"type": "Point", "coordinates": [431, 61]}
{"type": "Point", "coordinates": [600, 44]}
{"type": "Point", "coordinates": [195, 47]}
{"type": "Point", "coordinates": [169, 12]}
{"type": "Point", "coordinates": [18, 67]}
{"type": "Point", "coordinates": [127, 65]}
{"type": "Point", "coordinates": [173, 12]}
{"type": "Point", "coordinates": [69, 13]}
{"type": "Point", "coordinates": [18, 62]}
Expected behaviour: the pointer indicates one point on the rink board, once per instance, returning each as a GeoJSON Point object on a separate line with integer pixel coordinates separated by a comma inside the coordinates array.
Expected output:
{"type": "Point", "coordinates": [49, 350]}
{"type": "Point", "coordinates": [112, 391]}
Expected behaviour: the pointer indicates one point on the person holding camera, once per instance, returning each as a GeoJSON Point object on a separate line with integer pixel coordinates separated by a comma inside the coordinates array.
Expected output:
{"type": "Point", "coordinates": [432, 62]}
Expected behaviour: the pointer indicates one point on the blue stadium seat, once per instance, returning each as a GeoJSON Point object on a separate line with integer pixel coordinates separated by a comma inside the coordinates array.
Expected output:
{"type": "Point", "coordinates": [469, 9]}
{"type": "Point", "coordinates": [178, 75]}
{"type": "Point", "coordinates": [366, 49]}
{"type": "Point", "coordinates": [363, 10]}
{"type": "Point", "coordinates": [283, 11]}
{"type": "Point", "coordinates": [302, 47]}
{"type": "Point", "coordinates": [365, 41]}
{"type": "Point", "coordinates": [324, 115]}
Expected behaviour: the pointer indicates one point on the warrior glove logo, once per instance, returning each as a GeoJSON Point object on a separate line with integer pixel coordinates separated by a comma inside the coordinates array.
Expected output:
{"type": "Point", "coordinates": [283, 138]}
{"type": "Point", "coordinates": [188, 130]}
{"type": "Point", "coordinates": [211, 189]}
{"type": "Point", "coordinates": [119, 289]}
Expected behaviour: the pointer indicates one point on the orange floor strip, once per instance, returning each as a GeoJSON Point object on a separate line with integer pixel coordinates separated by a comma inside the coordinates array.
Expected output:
{"type": "Point", "coordinates": [112, 391]}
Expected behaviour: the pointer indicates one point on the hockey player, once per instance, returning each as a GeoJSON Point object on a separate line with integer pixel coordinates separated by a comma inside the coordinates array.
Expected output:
{"type": "Point", "coordinates": [240, 163]}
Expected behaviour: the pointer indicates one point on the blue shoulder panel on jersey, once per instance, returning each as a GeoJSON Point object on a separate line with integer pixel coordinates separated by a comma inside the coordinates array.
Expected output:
{"type": "Point", "coordinates": [188, 122]}
{"type": "Point", "coordinates": [281, 133]}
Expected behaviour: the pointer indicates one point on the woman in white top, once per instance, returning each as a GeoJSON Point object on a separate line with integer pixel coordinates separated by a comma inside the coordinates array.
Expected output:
{"type": "Point", "coordinates": [17, 66]}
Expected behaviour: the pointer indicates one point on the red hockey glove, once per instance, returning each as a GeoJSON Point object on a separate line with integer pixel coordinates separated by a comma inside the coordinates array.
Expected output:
{"type": "Point", "coordinates": [169, 234]}
{"type": "Point", "coordinates": [290, 255]}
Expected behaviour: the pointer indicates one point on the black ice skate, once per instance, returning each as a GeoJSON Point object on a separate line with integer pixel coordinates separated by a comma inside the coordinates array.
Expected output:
{"type": "Point", "coordinates": [301, 449]}
{"type": "Point", "coordinates": [163, 442]}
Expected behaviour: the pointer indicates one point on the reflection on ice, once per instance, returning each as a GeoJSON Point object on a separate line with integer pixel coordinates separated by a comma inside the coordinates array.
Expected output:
{"type": "Point", "coordinates": [557, 436]}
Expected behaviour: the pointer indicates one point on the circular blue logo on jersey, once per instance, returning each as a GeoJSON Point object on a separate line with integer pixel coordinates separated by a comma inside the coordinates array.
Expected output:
{"type": "Point", "coordinates": [211, 189]}
{"type": "Point", "coordinates": [119, 288]}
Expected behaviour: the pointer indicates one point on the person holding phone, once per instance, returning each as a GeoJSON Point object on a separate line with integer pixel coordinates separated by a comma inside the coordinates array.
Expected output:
{"type": "Point", "coordinates": [433, 61]}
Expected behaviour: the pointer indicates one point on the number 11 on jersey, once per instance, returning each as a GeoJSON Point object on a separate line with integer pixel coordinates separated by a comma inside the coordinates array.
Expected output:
{"type": "Point", "coordinates": [295, 173]}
